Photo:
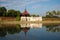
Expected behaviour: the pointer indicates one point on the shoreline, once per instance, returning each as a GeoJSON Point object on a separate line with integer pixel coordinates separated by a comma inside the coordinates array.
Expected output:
{"type": "Point", "coordinates": [23, 22]}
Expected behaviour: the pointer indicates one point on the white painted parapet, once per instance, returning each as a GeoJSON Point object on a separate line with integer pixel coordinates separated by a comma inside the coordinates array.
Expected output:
{"type": "Point", "coordinates": [31, 18]}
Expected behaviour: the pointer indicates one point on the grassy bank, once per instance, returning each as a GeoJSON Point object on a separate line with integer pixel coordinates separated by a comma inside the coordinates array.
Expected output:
{"type": "Point", "coordinates": [21, 22]}
{"type": "Point", "coordinates": [44, 20]}
{"type": "Point", "coordinates": [18, 22]}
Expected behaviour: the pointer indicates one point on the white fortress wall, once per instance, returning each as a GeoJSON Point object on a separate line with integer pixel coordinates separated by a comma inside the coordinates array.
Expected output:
{"type": "Point", "coordinates": [31, 18]}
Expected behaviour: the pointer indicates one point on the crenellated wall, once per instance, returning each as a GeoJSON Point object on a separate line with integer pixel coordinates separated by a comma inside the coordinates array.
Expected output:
{"type": "Point", "coordinates": [31, 18]}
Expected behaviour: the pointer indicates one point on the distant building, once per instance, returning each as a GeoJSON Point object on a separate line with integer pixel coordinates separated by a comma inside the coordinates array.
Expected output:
{"type": "Point", "coordinates": [25, 16]}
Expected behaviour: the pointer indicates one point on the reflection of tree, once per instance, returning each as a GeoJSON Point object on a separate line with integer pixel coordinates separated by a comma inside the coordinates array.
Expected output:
{"type": "Point", "coordinates": [13, 30]}
{"type": "Point", "coordinates": [10, 29]}
{"type": "Point", "coordinates": [18, 28]}
{"type": "Point", "coordinates": [2, 32]}
{"type": "Point", "coordinates": [53, 28]}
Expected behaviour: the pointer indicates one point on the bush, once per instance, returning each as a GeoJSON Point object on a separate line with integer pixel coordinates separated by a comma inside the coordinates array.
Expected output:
{"type": "Point", "coordinates": [18, 18]}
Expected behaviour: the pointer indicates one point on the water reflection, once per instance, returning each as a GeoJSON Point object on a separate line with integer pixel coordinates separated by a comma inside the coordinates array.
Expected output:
{"type": "Point", "coordinates": [11, 29]}
{"type": "Point", "coordinates": [53, 28]}
{"type": "Point", "coordinates": [6, 29]}
{"type": "Point", "coordinates": [32, 25]}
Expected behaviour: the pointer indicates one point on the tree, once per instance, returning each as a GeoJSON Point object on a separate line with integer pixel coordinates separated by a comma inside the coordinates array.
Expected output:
{"type": "Point", "coordinates": [53, 13]}
{"type": "Point", "coordinates": [58, 12]}
{"type": "Point", "coordinates": [18, 15]}
{"type": "Point", "coordinates": [13, 13]}
{"type": "Point", "coordinates": [3, 11]}
{"type": "Point", "coordinates": [49, 14]}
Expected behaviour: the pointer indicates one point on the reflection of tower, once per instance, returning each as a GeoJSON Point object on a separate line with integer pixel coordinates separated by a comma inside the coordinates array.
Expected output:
{"type": "Point", "coordinates": [25, 30]}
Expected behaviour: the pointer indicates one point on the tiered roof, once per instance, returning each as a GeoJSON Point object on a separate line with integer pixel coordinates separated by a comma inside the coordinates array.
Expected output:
{"type": "Point", "coordinates": [25, 13]}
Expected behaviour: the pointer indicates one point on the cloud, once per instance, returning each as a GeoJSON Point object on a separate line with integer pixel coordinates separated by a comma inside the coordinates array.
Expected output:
{"type": "Point", "coordinates": [18, 3]}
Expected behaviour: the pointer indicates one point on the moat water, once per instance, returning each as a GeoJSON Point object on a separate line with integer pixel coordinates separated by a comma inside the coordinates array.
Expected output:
{"type": "Point", "coordinates": [31, 31]}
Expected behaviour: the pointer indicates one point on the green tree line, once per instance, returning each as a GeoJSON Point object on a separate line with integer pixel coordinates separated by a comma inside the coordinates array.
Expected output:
{"type": "Point", "coordinates": [9, 13]}
{"type": "Point", "coordinates": [53, 13]}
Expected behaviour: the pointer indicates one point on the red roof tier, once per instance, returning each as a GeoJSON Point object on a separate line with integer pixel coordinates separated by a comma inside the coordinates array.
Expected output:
{"type": "Point", "coordinates": [25, 13]}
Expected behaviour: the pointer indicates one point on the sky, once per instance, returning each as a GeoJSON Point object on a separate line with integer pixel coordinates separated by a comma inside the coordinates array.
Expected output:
{"type": "Point", "coordinates": [39, 7]}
